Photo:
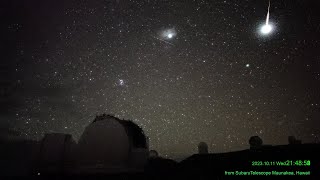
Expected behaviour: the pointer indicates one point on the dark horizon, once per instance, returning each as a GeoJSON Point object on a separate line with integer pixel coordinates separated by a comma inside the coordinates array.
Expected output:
{"type": "Point", "coordinates": [184, 72]}
{"type": "Point", "coordinates": [14, 137]}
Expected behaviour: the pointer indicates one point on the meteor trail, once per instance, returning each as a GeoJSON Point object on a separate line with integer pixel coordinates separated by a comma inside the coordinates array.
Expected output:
{"type": "Point", "coordinates": [163, 40]}
{"type": "Point", "coordinates": [268, 14]}
{"type": "Point", "coordinates": [266, 29]}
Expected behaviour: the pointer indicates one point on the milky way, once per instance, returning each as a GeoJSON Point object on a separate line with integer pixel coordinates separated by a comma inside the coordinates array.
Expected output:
{"type": "Point", "coordinates": [215, 80]}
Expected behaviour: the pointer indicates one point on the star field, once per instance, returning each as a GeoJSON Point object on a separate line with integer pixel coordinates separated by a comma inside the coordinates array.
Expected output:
{"type": "Point", "coordinates": [184, 71]}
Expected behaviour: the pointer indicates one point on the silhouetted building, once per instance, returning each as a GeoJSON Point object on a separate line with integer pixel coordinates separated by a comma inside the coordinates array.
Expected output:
{"type": "Point", "coordinates": [203, 148]}
{"type": "Point", "coordinates": [255, 142]}
{"type": "Point", "coordinates": [153, 154]}
{"type": "Point", "coordinates": [108, 145]}
{"type": "Point", "coordinates": [293, 140]}
{"type": "Point", "coordinates": [56, 152]}
{"type": "Point", "coordinates": [111, 145]}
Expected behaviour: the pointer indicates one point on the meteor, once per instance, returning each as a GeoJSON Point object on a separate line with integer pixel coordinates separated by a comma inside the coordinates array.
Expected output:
{"type": "Point", "coordinates": [267, 28]}
{"type": "Point", "coordinates": [268, 14]}
{"type": "Point", "coordinates": [163, 41]}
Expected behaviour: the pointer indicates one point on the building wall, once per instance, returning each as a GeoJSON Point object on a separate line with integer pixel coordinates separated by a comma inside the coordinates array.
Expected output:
{"type": "Point", "coordinates": [104, 147]}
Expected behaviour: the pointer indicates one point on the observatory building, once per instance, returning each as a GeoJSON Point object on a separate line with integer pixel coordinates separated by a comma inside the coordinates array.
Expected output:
{"type": "Point", "coordinates": [108, 145]}
{"type": "Point", "coordinates": [111, 145]}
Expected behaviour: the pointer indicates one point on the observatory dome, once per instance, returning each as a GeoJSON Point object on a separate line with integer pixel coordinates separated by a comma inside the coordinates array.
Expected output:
{"type": "Point", "coordinates": [104, 141]}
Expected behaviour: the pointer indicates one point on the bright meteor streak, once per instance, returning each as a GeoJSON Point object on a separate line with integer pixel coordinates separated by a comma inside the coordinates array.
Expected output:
{"type": "Point", "coordinates": [266, 29]}
{"type": "Point", "coordinates": [268, 15]}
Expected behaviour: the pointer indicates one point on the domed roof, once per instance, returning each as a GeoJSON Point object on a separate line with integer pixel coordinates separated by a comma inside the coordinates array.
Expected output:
{"type": "Point", "coordinates": [202, 148]}
{"type": "Point", "coordinates": [105, 140]}
{"type": "Point", "coordinates": [203, 145]}
{"type": "Point", "coordinates": [135, 133]}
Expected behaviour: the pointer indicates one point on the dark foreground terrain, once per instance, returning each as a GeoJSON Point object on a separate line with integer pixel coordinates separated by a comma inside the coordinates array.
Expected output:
{"type": "Point", "coordinates": [295, 159]}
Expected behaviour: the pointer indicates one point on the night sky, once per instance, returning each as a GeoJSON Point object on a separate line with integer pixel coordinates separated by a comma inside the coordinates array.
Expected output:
{"type": "Point", "coordinates": [185, 71]}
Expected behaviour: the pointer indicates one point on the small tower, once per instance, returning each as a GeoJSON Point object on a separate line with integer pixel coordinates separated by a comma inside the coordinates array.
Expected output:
{"type": "Point", "coordinates": [255, 142]}
{"type": "Point", "coordinates": [202, 148]}
{"type": "Point", "coordinates": [293, 140]}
